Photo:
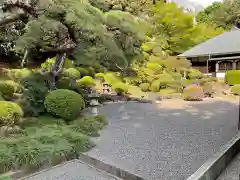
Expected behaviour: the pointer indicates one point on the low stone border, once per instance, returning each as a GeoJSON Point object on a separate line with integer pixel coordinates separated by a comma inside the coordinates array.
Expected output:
{"type": "Point", "coordinates": [212, 169]}
{"type": "Point", "coordinates": [109, 168]}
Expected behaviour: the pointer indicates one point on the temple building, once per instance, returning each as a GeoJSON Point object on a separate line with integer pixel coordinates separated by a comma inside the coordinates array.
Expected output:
{"type": "Point", "coordinates": [217, 55]}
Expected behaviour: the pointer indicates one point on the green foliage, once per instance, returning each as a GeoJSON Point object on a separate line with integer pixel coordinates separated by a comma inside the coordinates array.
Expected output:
{"type": "Point", "coordinates": [19, 74]}
{"type": "Point", "coordinates": [236, 90]}
{"type": "Point", "coordinates": [111, 78]}
{"type": "Point", "coordinates": [83, 71]}
{"type": "Point", "coordinates": [86, 81]}
{"type": "Point", "coordinates": [64, 83]}
{"type": "Point", "coordinates": [100, 76]}
{"type": "Point", "coordinates": [8, 88]}
{"type": "Point", "coordinates": [195, 74]}
{"type": "Point", "coordinates": [35, 88]}
{"type": "Point", "coordinates": [144, 87]}
{"type": "Point", "coordinates": [208, 14]}
{"type": "Point", "coordinates": [155, 86]}
{"type": "Point", "coordinates": [71, 73]}
{"type": "Point", "coordinates": [193, 93]}
{"type": "Point", "coordinates": [89, 125]}
{"type": "Point", "coordinates": [64, 103]}
{"type": "Point", "coordinates": [91, 71]}
{"type": "Point", "coordinates": [232, 77]}
{"type": "Point", "coordinates": [10, 113]}
{"type": "Point", "coordinates": [120, 88]}
{"type": "Point", "coordinates": [48, 64]}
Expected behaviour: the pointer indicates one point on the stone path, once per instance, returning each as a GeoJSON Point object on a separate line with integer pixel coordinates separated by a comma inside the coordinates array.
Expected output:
{"type": "Point", "coordinates": [169, 141]}
{"type": "Point", "coordinates": [74, 170]}
{"type": "Point", "coordinates": [232, 172]}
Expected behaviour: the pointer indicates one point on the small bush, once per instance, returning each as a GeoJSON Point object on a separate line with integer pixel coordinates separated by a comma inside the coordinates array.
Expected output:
{"type": "Point", "coordinates": [144, 87]}
{"type": "Point", "coordinates": [155, 86]}
{"type": "Point", "coordinates": [193, 93]}
{"type": "Point", "coordinates": [64, 83]}
{"type": "Point", "coordinates": [19, 74]}
{"type": "Point", "coordinates": [91, 71]}
{"type": "Point", "coordinates": [111, 78]}
{"type": "Point", "coordinates": [1, 98]}
{"type": "Point", "coordinates": [83, 71]}
{"type": "Point", "coordinates": [232, 77]}
{"type": "Point", "coordinates": [86, 81]}
{"type": "Point", "coordinates": [195, 74]}
{"type": "Point", "coordinates": [64, 103]}
{"type": "Point", "coordinates": [120, 88]}
{"type": "Point", "coordinates": [8, 88]}
{"type": "Point", "coordinates": [236, 90]}
{"type": "Point", "coordinates": [89, 125]}
{"type": "Point", "coordinates": [208, 89]}
{"type": "Point", "coordinates": [72, 73]}
{"type": "Point", "coordinates": [10, 113]}
{"type": "Point", "coordinates": [100, 76]}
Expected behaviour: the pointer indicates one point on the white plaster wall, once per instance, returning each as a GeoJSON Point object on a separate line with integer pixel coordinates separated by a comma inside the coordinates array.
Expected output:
{"type": "Point", "coordinates": [220, 74]}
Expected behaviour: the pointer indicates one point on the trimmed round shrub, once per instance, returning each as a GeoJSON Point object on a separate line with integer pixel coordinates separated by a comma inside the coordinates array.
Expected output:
{"type": "Point", "coordinates": [100, 76]}
{"type": "Point", "coordinates": [120, 88]}
{"type": "Point", "coordinates": [91, 71]}
{"type": "Point", "coordinates": [144, 87]}
{"type": "Point", "coordinates": [19, 74]}
{"type": "Point", "coordinates": [236, 90]}
{"type": "Point", "coordinates": [155, 86]}
{"type": "Point", "coordinates": [64, 83]}
{"type": "Point", "coordinates": [195, 74]}
{"type": "Point", "coordinates": [232, 77]}
{"type": "Point", "coordinates": [193, 92]}
{"type": "Point", "coordinates": [64, 103]}
{"type": "Point", "coordinates": [8, 88]}
{"type": "Point", "coordinates": [83, 71]}
{"type": "Point", "coordinates": [86, 81]}
{"type": "Point", "coordinates": [72, 73]}
{"type": "Point", "coordinates": [10, 113]}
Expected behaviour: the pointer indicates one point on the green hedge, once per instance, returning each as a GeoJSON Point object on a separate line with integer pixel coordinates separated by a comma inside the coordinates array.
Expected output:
{"type": "Point", "coordinates": [10, 113]}
{"type": "Point", "coordinates": [236, 89]}
{"type": "Point", "coordinates": [72, 73]}
{"type": "Point", "coordinates": [232, 77]}
{"type": "Point", "coordinates": [64, 103]}
{"type": "Point", "coordinates": [83, 71]}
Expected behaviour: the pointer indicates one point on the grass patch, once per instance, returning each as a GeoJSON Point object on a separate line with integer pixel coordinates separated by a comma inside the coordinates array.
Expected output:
{"type": "Point", "coordinates": [5, 178]}
{"type": "Point", "coordinates": [47, 140]}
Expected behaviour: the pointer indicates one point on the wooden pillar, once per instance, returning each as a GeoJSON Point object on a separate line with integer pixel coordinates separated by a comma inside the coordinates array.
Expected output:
{"type": "Point", "coordinates": [217, 67]}
{"type": "Point", "coordinates": [234, 65]}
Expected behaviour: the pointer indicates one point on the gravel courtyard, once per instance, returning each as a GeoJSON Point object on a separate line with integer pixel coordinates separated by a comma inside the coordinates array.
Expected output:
{"type": "Point", "coordinates": [167, 141]}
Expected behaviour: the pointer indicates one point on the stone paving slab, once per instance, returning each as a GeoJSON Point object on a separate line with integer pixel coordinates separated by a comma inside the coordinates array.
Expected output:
{"type": "Point", "coordinates": [164, 141]}
{"type": "Point", "coordinates": [232, 172]}
{"type": "Point", "coordinates": [73, 170]}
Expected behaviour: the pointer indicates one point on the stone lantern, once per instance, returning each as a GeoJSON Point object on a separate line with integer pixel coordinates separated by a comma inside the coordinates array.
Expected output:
{"type": "Point", "coordinates": [94, 103]}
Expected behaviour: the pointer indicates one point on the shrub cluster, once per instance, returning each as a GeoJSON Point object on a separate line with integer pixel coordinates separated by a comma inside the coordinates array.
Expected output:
{"type": "Point", "coordinates": [144, 87]}
{"type": "Point", "coordinates": [72, 73]}
{"type": "Point", "coordinates": [8, 88]}
{"type": "Point", "coordinates": [10, 113]}
{"type": "Point", "coordinates": [193, 93]}
{"type": "Point", "coordinates": [83, 71]}
{"type": "Point", "coordinates": [64, 103]}
{"type": "Point", "coordinates": [232, 77]}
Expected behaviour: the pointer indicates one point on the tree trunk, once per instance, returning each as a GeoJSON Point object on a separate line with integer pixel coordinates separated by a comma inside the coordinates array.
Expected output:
{"type": "Point", "coordinates": [24, 58]}
{"type": "Point", "coordinates": [57, 69]}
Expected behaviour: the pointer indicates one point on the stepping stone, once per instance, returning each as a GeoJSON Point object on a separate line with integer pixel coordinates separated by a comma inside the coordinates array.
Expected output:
{"type": "Point", "coordinates": [72, 170]}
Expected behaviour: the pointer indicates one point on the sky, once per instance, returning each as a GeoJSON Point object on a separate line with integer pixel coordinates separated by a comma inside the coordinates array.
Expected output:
{"type": "Point", "coordinates": [204, 2]}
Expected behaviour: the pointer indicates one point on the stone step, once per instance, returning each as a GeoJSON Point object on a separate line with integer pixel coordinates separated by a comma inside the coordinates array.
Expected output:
{"type": "Point", "coordinates": [72, 170]}
{"type": "Point", "coordinates": [232, 172]}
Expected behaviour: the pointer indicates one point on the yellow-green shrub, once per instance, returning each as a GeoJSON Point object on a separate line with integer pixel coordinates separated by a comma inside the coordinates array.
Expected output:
{"type": "Point", "coordinates": [144, 87]}
{"type": "Point", "coordinates": [120, 88]}
{"type": "Point", "coordinates": [10, 113]}
{"type": "Point", "coordinates": [232, 77]}
{"type": "Point", "coordinates": [100, 76]}
{"type": "Point", "coordinates": [64, 103]}
{"type": "Point", "coordinates": [8, 88]}
{"type": "Point", "coordinates": [19, 74]}
{"type": "Point", "coordinates": [195, 74]}
{"type": "Point", "coordinates": [236, 89]}
{"type": "Point", "coordinates": [48, 65]}
{"type": "Point", "coordinates": [83, 71]}
{"type": "Point", "coordinates": [111, 78]}
{"type": "Point", "coordinates": [86, 81]}
{"type": "Point", "coordinates": [193, 93]}
{"type": "Point", "coordinates": [72, 73]}
{"type": "Point", "coordinates": [155, 86]}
